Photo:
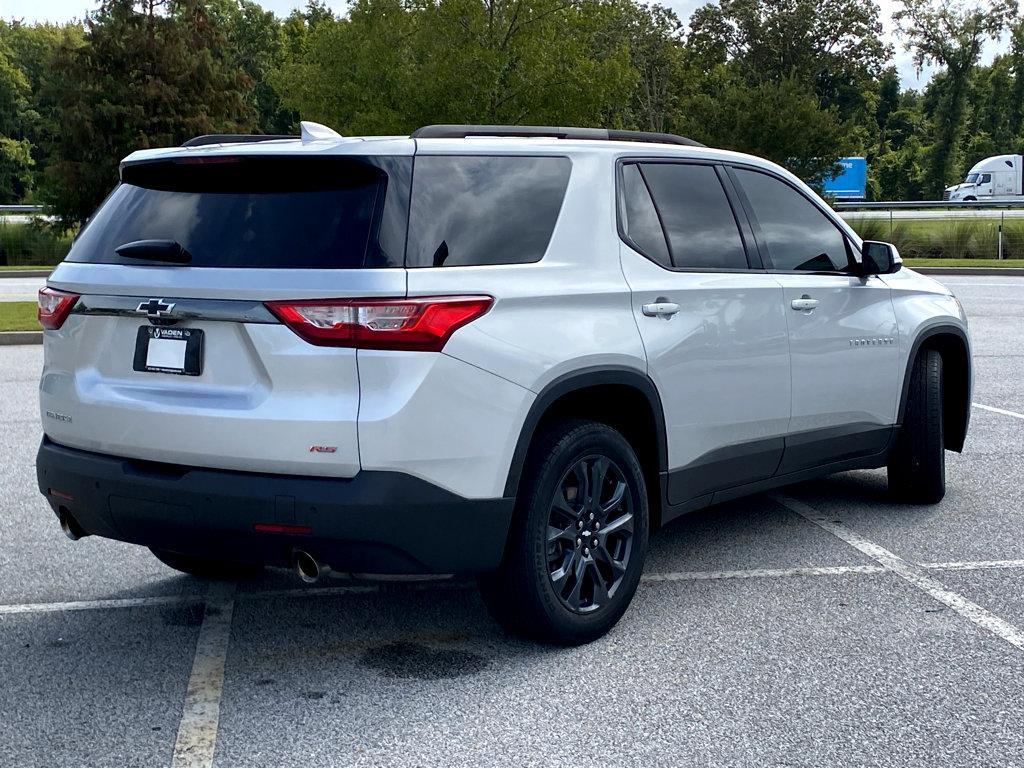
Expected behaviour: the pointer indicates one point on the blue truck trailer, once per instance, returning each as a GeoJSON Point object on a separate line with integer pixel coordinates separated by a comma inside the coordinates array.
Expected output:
{"type": "Point", "coordinates": [851, 183]}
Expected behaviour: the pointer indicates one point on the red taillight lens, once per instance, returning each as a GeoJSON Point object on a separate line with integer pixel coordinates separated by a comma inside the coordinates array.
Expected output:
{"type": "Point", "coordinates": [54, 307]}
{"type": "Point", "coordinates": [381, 324]}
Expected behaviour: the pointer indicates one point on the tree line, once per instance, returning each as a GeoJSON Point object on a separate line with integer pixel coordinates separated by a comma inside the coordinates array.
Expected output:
{"type": "Point", "coordinates": [802, 82]}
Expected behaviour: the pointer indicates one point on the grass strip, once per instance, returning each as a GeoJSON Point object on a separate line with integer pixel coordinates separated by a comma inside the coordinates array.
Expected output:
{"type": "Point", "coordinates": [18, 316]}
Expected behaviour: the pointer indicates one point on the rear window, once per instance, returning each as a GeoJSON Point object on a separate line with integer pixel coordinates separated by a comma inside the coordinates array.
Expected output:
{"type": "Point", "coordinates": [281, 212]}
{"type": "Point", "coordinates": [479, 210]}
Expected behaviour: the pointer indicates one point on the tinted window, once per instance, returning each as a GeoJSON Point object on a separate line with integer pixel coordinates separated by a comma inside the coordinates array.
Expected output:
{"type": "Point", "coordinates": [799, 236]}
{"type": "Point", "coordinates": [257, 212]}
{"type": "Point", "coordinates": [640, 219]}
{"type": "Point", "coordinates": [484, 209]}
{"type": "Point", "coordinates": [698, 220]}
{"type": "Point", "coordinates": [985, 178]}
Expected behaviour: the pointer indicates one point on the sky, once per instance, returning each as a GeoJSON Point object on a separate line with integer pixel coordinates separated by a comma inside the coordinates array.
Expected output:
{"type": "Point", "coordinates": [64, 10]}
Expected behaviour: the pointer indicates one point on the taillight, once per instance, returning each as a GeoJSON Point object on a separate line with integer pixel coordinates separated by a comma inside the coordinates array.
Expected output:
{"type": "Point", "coordinates": [54, 307]}
{"type": "Point", "coordinates": [380, 324]}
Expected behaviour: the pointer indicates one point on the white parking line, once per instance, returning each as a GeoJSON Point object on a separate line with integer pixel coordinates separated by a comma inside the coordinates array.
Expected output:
{"type": "Point", "coordinates": [972, 565]}
{"type": "Point", "coordinates": [806, 571]}
{"type": "Point", "coordinates": [197, 730]}
{"type": "Point", "coordinates": [105, 603]}
{"type": "Point", "coordinates": [1004, 412]}
{"type": "Point", "coordinates": [912, 574]}
{"type": "Point", "coordinates": [338, 590]}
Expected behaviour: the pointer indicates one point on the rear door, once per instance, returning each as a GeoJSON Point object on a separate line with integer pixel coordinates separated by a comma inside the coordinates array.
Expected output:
{"type": "Point", "coordinates": [711, 322]}
{"type": "Point", "coordinates": [171, 354]}
{"type": "Point", "coordinates": [842, 328]}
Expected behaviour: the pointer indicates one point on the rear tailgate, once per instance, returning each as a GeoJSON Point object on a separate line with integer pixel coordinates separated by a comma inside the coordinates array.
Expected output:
{"type": "Point", "coordinates": [259, 397]}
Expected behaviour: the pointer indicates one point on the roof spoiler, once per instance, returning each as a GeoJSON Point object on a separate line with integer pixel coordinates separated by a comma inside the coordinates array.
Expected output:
{"type": "Point", "coordinates": [310, 132]}
{"type": "Point", "coordinates": [199, 141]}
{"type": "Point", "coordinates": [558, 132]}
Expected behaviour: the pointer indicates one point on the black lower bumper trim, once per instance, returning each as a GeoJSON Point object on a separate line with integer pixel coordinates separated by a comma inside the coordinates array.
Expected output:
{"type": "Point", "coordinates": [376, 522]}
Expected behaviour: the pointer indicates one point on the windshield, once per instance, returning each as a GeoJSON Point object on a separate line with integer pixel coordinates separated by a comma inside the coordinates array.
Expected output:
{"type": "Point", "coordinates": [971, 179]}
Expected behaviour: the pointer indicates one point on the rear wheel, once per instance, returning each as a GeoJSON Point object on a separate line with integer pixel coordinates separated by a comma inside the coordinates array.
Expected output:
{"type": "Point", "coordinates": [917, 468]}
{"type": "Point", "coordinates": [576, 549]}
{"type": "Point", "coordinates": [207, 568]}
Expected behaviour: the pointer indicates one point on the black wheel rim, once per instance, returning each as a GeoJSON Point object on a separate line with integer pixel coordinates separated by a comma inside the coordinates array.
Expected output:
{"type": "Point", "coordinates": [590, 534]}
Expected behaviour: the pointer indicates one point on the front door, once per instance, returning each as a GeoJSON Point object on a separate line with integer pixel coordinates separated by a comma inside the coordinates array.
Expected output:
{"type": "Point", "coordinates": [842, 328]}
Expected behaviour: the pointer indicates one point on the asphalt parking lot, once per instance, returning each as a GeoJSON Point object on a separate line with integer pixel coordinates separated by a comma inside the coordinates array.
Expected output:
{"type": "Point", "coordinates": [823, 625]}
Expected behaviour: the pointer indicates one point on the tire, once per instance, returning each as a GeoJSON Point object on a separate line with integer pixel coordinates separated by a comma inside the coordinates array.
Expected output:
{"type": "Point", "coordinates": [206, 568]}
{"type": "Point", "coordinates": [553, 584]}
{"type": "Point", "coordinates": [917, 467]}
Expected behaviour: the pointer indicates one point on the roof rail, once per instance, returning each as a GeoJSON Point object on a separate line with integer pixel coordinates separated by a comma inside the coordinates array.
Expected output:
{"type": "Point", "coordinates": [559, 132]}
{"type": "Point", "coordinates": [199, 141]}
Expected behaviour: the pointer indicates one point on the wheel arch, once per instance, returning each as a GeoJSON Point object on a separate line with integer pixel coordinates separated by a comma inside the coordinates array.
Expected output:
{"type": "Point", "coordinates": [583, 394]}
{"type": "Point", "coordinates": [951, 343]}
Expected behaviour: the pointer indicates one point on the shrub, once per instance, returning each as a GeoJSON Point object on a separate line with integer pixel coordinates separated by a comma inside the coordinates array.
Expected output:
{"type": "Point", "coordinates": [35, 242]}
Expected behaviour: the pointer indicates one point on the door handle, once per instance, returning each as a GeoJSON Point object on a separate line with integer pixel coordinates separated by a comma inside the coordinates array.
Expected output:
{"type": "Point", "coordinates": [660, 309]}
{"type": "Point", "coordinates": [804, 303]}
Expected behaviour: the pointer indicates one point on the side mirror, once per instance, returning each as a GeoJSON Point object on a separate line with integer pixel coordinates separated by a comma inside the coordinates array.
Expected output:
{"type": "Point", "coordinates": [877, 258]}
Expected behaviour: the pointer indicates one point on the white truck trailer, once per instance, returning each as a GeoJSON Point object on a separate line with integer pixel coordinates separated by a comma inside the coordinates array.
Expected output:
{"type": "Point", "coordinates": [996, 179]}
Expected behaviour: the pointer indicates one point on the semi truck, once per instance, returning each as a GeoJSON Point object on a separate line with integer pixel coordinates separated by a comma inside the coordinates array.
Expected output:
{"type": "Point", "coordinates": [996, 179]}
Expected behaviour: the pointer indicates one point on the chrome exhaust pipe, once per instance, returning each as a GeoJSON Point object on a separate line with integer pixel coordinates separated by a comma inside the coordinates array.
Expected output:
{"type": "Point", "coordinates": [71, 528]}
{"type": "Point", "coordinates": [307, 567]}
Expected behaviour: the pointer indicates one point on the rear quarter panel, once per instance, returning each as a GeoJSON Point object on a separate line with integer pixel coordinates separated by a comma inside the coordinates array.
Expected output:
{"type": "Point", "coordinates": [569, 311]}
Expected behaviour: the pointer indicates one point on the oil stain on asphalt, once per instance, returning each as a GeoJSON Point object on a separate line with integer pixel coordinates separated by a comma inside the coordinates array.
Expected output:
{"type": "Point", "coordinates": [410, 660]}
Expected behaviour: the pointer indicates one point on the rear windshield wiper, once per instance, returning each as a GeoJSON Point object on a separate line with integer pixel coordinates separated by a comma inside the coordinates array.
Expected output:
{"type": "Point", "coordinates": [156, 250]}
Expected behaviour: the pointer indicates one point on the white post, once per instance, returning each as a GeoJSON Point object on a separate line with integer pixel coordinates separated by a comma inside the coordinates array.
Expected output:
{"type": "Point", "coordinates": [1002, 216]}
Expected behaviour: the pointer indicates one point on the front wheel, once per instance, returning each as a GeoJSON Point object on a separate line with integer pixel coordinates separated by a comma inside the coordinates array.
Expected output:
{"type": "Point", "coordinates": [578, 540]}
{"type": "Point", "coordinates": [917, 468]}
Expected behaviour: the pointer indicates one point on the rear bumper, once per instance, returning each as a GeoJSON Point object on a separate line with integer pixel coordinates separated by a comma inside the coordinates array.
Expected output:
{"type": "Point", "coordinates": [375, 522]}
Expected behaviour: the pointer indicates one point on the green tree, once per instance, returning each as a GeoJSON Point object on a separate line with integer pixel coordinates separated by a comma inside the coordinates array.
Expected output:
{"type": "Point", "coordinates": [31, 49]}
{"type": "Point", "coordinates": [15, 149]}
{"type": "Point", "coordinates": [255, 42]}
{"type": "Point", "coordinates": [779, 120]}
{"type": "Point", "coordinates": [390, 66]}
{"type": "Point", "coordinates": [147, 74]}
{"type": "Point", "coordinates": [950, 34]}
{"type": "Point", "coordinates": [888, 102]}
{"type": "Point", "coordinates": [832, 46]}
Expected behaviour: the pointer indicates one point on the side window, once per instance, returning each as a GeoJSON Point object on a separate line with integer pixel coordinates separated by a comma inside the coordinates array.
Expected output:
{"type": "Point", "coordinates": [799, 236]}
{"type": "Point", "coordinates": [699, 222]}
{"type": "Point", "coordinates": [640, 219]}
{"type": "Point", "coordinates": [475, 210]}
{"type": "Point", "coordinates": [986, 178]}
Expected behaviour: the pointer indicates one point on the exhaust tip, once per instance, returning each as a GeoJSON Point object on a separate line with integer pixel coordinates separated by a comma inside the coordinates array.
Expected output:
{"type": "Point", "coordinates": [71, 528]}
{"type": "Point", "coordinates": [307, 567]}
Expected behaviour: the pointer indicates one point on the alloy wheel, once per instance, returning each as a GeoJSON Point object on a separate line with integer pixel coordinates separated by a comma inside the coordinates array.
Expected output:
{"type": "Point", "coordinates": [589, 533]}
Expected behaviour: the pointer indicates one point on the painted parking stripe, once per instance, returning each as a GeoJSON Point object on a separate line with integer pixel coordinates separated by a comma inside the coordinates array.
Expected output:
{"type": "Point", "coordinates": [915, 575]}
{"type": "Point", "coordinates": [807, 571]}
{"type": "Point", "coordinates": [200, 716]}
{"type": "Point", "coordinates": [993, 409]}
{"type": "Point", "coordinates": [340, 590]}
{"type": "Point", "coordinates": [106, 603]}
{"type": "Point", "coordinates": [1017, 563]}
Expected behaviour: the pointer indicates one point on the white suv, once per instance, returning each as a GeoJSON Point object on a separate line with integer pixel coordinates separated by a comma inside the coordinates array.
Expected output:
{"type": "Point", "coordinates": [505, 351]}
